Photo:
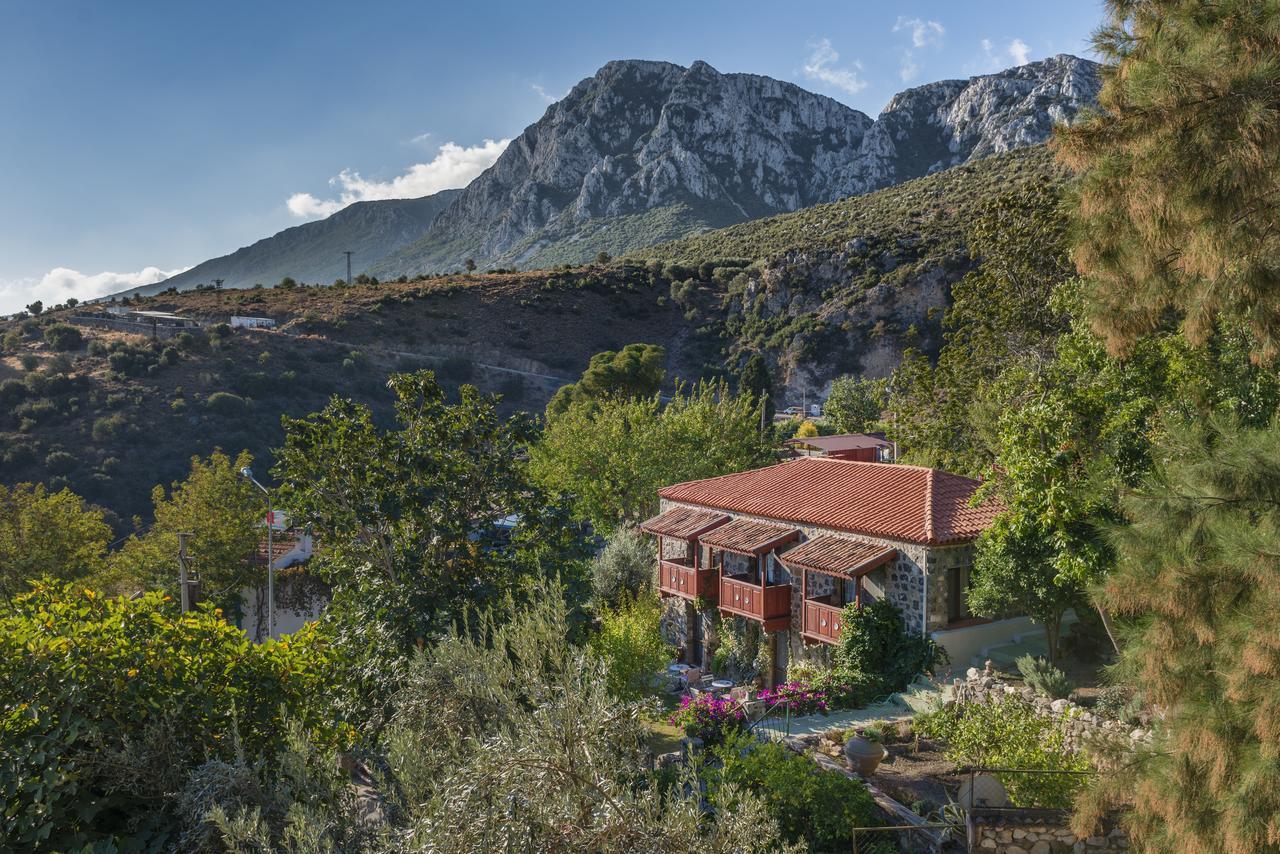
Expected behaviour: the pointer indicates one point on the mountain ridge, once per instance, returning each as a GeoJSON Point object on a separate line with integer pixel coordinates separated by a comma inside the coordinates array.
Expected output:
{"type": "Point", "coordinates": [684, 163]}
{"type": "Point", "coordinates": [312, 251]}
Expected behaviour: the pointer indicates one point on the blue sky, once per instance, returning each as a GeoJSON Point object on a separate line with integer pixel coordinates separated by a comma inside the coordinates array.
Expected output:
{"type": "Point", "coordinates": [142, 137]}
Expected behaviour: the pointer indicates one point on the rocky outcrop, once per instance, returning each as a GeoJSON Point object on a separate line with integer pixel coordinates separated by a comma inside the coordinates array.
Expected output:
{"type": "Point", "coordinates": [708, 149]}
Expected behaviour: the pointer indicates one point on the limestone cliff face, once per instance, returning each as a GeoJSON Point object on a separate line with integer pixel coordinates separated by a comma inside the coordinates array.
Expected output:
{"type": "Point", "coordinates": [648, 151]}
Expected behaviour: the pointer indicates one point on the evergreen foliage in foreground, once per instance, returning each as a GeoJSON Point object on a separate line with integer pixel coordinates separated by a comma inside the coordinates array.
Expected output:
{"type": "Point", "coordinates": [1197, 574]}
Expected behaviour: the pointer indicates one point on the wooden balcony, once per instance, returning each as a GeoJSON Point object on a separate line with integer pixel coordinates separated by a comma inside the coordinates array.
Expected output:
{"type": "Point", "coordinates": [679, 578]}
{"type": "Point", "coordinates": [822, 621]}
{"type": "Point", "coordinates": [770, 605]}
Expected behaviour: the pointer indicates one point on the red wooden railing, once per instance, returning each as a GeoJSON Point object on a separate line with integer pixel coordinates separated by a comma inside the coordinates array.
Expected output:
{"type": "Point", "coordinates": [822, 621]}
{"type": "Point", "coordinates": [679, 578]}
{"type": "Point", "coordinates": [772, 604]}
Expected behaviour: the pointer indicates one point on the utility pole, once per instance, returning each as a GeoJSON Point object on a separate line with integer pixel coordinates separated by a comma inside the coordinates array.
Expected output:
{"type": "Point", "coordinates": [183, 573]}
{"type": "Point", "coordinates": [348, 254]}
{"type": "Point", "coordinates": [247, 474]}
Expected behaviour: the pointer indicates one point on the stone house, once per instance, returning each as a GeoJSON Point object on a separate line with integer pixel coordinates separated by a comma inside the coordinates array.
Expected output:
{"type": "Point", "coordinates": [789, 546]}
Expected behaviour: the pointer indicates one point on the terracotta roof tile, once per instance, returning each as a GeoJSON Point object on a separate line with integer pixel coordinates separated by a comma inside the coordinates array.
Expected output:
{"type": "Point", "coordinates": [683, 523]}
{"type": "Point", "coordinates": [887, 500]}
{"type": "Point", "coordinates": [749, 536]}
{"type": "Point", "coordinates": [837, 556]}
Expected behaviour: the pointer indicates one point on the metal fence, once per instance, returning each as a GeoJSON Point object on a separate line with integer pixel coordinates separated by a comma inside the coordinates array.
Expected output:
{"type": "Point", "coordinates": [774, 723]}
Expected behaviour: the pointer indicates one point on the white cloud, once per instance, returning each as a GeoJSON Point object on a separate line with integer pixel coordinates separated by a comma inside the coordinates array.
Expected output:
{"type": "Point", "coordinates": [453, 166]}
{"type": "Point", "coordinates": [1020, 52]}
{"type": "Point", "coordinates": [61, 282]}
{"type": "Point", "coordinates": [544, 94]}
{"type": "Point", "coordinates": [1017, 52]}
{"type": "Point", "coordinates": [821, 66]}
{"type": "Point", "coordinates": [923, 33]}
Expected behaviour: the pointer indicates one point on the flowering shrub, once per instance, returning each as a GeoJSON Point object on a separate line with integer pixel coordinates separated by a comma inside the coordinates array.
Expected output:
{"type": "Point", "coordinates": [709, 718]}
{"type": "Point", "coordinates": [800, 698]}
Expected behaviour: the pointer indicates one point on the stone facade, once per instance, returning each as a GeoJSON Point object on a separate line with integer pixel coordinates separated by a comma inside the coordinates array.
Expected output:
{"type": "Point", "coordinates": [903, 582]}
{"type": "Point", "coordinates": [1084, 725]}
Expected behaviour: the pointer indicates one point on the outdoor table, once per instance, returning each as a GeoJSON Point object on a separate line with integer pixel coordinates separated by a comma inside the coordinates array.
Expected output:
{"type": "Point", "coordinates": [721, 685]}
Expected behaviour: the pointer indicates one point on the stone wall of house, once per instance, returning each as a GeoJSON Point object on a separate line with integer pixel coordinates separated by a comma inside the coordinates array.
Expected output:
{"type": "Point", "coordinates": [981, 686]}
{"type": "Point", "coordinates": [904, 580]}
{"type": "Point", "coordinates": [673, 623]}
{"type": "Point", "coordinates": [1008, 834]}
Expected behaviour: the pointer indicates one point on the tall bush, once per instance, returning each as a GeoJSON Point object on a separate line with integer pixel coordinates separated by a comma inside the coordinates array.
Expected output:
{"type": "Point", "coordinates": [105, 704]}
{"type": "Point", "coordinates": [631, 644]}
{"type": "Point", "coordinates": [623, 569]}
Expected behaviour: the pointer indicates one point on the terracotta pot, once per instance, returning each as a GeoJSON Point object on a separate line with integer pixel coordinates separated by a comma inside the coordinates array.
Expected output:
{"type": "Point", "coordinates": [864, 756]}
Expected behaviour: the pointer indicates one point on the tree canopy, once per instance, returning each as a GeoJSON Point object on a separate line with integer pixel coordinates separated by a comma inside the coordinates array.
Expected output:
{"type": "Point", "coordinates": [48, 533]}
{"type": "Point", "coordinates": [637, 370]}
{"type": "Point", "coordinates": [1179, 199]}
{"type": "Point", "coordinates": [612, 457]}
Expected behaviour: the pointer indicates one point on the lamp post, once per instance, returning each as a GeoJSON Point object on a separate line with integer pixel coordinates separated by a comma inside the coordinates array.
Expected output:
{"type": "Point", "coordinates": [247, 474]}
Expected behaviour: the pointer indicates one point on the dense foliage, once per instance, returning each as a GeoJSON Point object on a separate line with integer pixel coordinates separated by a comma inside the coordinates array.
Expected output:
{"type": "Point", "coordinates": [632, 647]}
{"type": "Point", "coordinates": [222, 511]}
{"type": "Point", "coordinates": [107, 704]}
{"type": "Point", "coordinates": [624, 568]}
{"type": "Point", "coordinates": [612, 457]}
{"type": "Point", "coordinates": [1195, 576]}
{"type": "Point", "coordinates": [1178, 207]}
{"type": "Point", "coordinates": [811, 805]}
{"type": "Point", "coordinates": [1011, 734]}
{"type": "Point", "coordinates": [879, 654]}
{"type": "Point", "coordinates": [44, 533]}
{"type": "Point", "coordinates": [636, 370]}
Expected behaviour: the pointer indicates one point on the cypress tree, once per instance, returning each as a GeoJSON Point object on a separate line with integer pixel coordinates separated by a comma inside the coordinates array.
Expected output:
{"type": "Point", "coordinates": [1179, 200]}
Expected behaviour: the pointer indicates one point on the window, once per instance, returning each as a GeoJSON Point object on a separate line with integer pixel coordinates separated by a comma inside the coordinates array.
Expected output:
{"type": "Point", "coordinates": [957, 594]}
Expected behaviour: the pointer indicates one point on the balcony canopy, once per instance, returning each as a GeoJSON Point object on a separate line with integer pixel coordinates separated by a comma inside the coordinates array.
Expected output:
{"type": "Point", "coordinates": [684, 523]}
{"type": "Point", "coordinates": [749, 537]}
{"type": "Point", "coordinates": [837, 556]}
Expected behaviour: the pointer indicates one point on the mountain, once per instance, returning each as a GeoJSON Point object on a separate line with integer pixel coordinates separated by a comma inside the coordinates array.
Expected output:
{"type": "Point", "coordinates": [312, 252]}
{"type": "Point", "coordinates": [827, 290]}
{"type": "Point", "coordinates": [646, 152]}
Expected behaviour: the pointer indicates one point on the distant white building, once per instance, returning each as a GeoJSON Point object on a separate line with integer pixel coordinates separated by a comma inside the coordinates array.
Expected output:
{"type": "Point", "coordinates": [252, 322]}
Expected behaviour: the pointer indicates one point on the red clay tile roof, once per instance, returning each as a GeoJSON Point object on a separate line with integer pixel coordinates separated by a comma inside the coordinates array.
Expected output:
{"type": "Point", "coordinates": [897, 502]}
{"type": "Point", "coordinates": [837, 556]}
{"type": "Point", "coordinates": [748, 536]}
{"type": "Point", "coordinates": [683, 523]}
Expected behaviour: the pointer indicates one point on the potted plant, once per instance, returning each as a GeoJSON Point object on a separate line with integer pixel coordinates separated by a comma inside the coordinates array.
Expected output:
{"type": "Point", "coordinates": [865, 752]}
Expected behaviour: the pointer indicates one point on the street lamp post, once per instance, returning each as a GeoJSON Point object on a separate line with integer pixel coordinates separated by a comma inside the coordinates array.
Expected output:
{"type": "Point", "coordinates": [247, 474]}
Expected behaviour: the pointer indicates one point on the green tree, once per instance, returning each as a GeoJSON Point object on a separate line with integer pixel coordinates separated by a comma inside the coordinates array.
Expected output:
{"type": "Point", "coordinates": [1179, 201]}
{"type": "Point", "coordinates": [35, 308]}
{"type": "Point", "coordinates": [614, 456]}
{"type": "Point", "coordinates": [624, 568]}
{"type": "Point", "coordinates": [225, 515]}
{"type": "Point", "coordinates": [637, 370]}
{"type": "Point", "coordinates": [109, 703]}
{"type": "Point", "coordinates": [413, 518]}
{"type": "Point", "coordinates": [755, 379]}
{"type": "Point", "coordinates": [46, 533]}
{"type": "Point", "coordinates": [854, 404]}
{"type": "Point", "coordinates": [631, 644]}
